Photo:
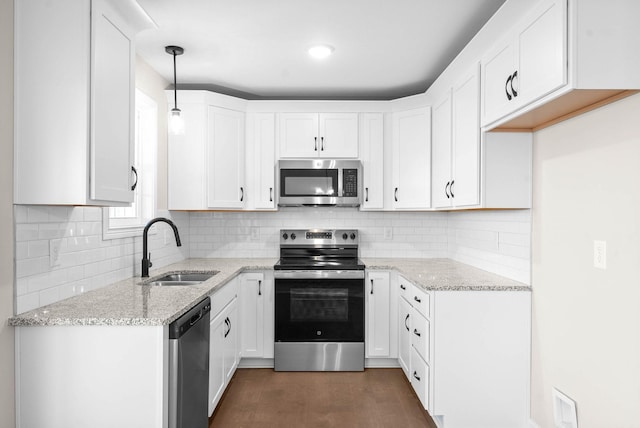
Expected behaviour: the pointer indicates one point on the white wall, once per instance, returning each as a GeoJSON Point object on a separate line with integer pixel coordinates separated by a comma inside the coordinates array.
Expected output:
{"type": "Point", "coordinates": [586, 321]}
{"type": "Point", "coordinates": [7, 414]}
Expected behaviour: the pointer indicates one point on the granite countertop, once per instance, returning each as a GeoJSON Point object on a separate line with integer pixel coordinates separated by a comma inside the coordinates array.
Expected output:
{"type": "Point", "coordinates": [127, 303]}
{"type": "Point", "coordinates": [446, 275]}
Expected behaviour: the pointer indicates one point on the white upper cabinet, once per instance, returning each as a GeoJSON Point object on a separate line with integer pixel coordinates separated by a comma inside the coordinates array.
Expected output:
{"type": "Point", "coordinates": [372, 157]}
{"type": "Point", "coordinates": [441, 172]}
{"type": "Point", "coordinates": [206, 164]}
{"type": "Point", "coordinates": [324, 135]}
{"type": "Point", "coordinates": [77, 84]}
{"type": "Point", "coordinates": [411, 148]}
{"type": "Point", "coordinates": [528, 64]}
{"type": "Point", "coordinates": [226, 158]}
{"type": "Point", "coordinates": [261, 161]}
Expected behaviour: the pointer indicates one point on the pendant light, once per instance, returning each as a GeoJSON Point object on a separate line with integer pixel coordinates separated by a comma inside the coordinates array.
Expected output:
{"type": "Point", "coordinates": [176, 122]}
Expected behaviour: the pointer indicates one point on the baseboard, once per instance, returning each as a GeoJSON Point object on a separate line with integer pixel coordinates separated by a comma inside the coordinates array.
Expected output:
{"type": "Point", "coordinates": [381, 363]}
{"type": "Point", "coordinates": [255, 363]}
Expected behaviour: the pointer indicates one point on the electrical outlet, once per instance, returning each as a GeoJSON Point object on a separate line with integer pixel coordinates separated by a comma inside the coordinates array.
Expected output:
{"type": "Point", "coordinates": [255, 233]}
{"type": "Point", "coordinates": [388, 233]}
{"type": "Point", "coordinates": [600, 254]}
{"type": "Point", "coordinates": [54, 251]}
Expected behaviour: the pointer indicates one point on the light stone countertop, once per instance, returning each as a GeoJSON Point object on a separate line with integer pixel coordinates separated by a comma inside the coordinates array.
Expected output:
{"type": "Point", "coordinates": [127, 303]}
{"type": "Point", "coordinates": [446, 275]}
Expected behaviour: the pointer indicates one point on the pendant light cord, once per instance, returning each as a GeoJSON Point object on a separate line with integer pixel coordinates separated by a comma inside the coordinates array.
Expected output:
{"type": "Point", "coordinates": [175, 84]}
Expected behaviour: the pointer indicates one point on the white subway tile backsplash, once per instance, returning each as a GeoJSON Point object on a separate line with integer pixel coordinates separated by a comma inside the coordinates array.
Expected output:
{"type": "Point", "coordinates": [498, 241]}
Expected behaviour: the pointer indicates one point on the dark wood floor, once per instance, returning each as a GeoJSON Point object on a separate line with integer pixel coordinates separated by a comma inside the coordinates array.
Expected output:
{"type": "Point", "coordinates": [375, 398]}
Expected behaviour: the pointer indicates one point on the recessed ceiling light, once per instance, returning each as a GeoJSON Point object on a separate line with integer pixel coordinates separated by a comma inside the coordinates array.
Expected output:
{"type": "Point", "coordinates": [321, 51]}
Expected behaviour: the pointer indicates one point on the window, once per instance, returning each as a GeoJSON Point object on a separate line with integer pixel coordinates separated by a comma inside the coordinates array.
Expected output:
{"type": "Point", "coordinates": [121, 222]}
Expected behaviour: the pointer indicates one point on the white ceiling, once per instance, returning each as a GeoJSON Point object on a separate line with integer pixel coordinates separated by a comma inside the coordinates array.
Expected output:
{"type": "Point", "coordinates": [257, 49]}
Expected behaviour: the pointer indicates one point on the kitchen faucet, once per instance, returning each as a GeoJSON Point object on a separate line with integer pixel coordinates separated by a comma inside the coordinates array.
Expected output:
{"type": "Point", "coordinates": [146, 258]}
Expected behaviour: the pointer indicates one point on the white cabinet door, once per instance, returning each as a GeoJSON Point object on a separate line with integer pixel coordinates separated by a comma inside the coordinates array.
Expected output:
{"type": "Point", "coordinates": [112, 101]}
{"type": "Point", "coordinates": [252, 309]}
{"type": "Point", "coordinates": [338, 135]}
{"type": "Point", "coordinates": [441, 153]}
{"type": "Point", "coordinates": [217, 333]}
{"type": "Point", "coordinates": [225, 169]}
{"type": "Point", "coordinates": [542, 51]}
{"type": "Point", "coordinates": [299, 135]}
{"type": "Point", "coordinates": [261, 165]}
{"type": "Point", "coordinates": [231, 343]}
{"type": "Point", "coordinates": [372, 156]}
{"type": "Point", "coordinates": [498, 69]}
{"type": "Point", "coordinates": [404, 338]}
{"type": "Point", "coordinates": [412, 159]}
{"type": "Point", "coordinates": [311, 135]}
{"type": "Point", "coordinates": [465, 186]}
{"type": "Point", "coordinates": [378, 298]}
{"type": "Point", "coordinates": [420, 372]}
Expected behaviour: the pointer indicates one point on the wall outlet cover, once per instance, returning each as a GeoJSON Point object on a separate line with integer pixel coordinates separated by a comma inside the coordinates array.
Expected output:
{"type": "Point", "coordinates": [600, 254]}
{"type": "Point", "coordinates": [564, 410]}
{"type": "Point", "coordinates": [54, 251]}
{"type": "Point", "coordinates": [388, 233]}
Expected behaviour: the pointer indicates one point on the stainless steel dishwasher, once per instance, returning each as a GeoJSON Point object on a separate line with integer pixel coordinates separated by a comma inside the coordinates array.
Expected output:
{"type": "Point", "coordinates": [189, 368]}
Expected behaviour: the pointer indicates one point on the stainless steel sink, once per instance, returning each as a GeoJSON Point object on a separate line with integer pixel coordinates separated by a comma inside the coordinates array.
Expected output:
{"type": "Point", "coordinates": [180, 278]}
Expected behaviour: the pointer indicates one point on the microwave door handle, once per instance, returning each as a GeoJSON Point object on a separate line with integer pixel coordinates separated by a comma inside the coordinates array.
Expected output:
{"type": "Point", "coordinates": [340, 182]}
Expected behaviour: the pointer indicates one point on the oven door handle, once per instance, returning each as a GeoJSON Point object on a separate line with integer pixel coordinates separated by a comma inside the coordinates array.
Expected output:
{"type": "Point", "coordinates": [318, 274]}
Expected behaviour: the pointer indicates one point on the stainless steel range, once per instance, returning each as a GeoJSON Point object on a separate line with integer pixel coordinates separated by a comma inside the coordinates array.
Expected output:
{"type": "Point", "coordinates": [319, 303]}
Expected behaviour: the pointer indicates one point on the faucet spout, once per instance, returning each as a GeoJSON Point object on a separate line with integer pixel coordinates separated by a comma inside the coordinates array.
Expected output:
{"type": "Point", "coordinates": [146, 258]}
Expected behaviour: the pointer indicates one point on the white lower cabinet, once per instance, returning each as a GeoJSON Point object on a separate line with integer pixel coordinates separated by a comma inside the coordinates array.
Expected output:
{"type": "Point", "coordinates": [257, 314]}
{"type": "Point", "coordinates": [467, 354]}
{"type": "Point", "coordinates": [224, 348]}
{"type": "Point", "coordinates": [378, 310]}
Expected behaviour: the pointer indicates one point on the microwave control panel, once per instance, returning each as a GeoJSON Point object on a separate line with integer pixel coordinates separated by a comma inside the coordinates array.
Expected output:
{"type": "Point", "coordinates": [350, 183]}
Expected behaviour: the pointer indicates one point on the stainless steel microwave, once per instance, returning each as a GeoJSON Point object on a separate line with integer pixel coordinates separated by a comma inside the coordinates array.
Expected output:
{"type": "Point", "coordinates": [317, 182]}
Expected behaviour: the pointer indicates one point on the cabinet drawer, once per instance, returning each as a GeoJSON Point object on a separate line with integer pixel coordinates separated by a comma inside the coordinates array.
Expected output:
{"type": "Point", "coordinates": [223, 296]}
{"type": "Point", "coordinates": [420, 300]}
{"type": "Point", "coordinates": [420, 334]}
{"type": "Point", "coordinates": [420, 378]}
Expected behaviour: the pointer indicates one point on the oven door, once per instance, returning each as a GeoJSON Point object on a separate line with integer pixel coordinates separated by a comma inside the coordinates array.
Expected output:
{"type": "Point", "coordinates": [319, 306]}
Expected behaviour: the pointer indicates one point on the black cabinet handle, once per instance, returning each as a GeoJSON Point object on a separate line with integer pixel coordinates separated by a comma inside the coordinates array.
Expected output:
{"type": "Point", "coordinates": [403, 287]}
{"type": "Point", "coordinates": [416, 299]}
{"type": "Point", "coordinates": [228, 323]}
{"type": "Point", "coordinates": [451, 189]}
{"type": "Point", "coordinates": [259, 287]}
{"type": "Point", "coordinates": [415, 374]}
{"type": "Point", "coordinates": [133, 169]}
{"type": "Point", "coordinates": [322, 144]}
{"type": "Point", "coordinates": [405, 322]}
{"type": "Point", "coordinates": [241, 194]}
{"type": "Point", "coordinates": [446, 189]}
{"type": "Point", "coordinates": [270, 194]}
{"type": "Point", "coordinates": [514, 76]}
{"type": "Point", "coordinates": [416, 332]}
{"type": "Point", "coordinates": [366, 193]}
{"type": "Point", "coordinates": [506, 89]}
{"type": "Point", "coordinates": [372, 286]}
{"type": "Point", "coordinates": [315, 144]}
{"type": "Point", "coordinates": [395, 194]}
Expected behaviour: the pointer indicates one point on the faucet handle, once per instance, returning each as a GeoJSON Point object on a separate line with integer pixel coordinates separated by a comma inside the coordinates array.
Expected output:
{"type": "Point", "coordinates": [149, 258]}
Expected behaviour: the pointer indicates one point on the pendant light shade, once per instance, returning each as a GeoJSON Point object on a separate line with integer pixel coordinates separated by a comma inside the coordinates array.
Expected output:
{"type": "Point", "coordinates": [176, 122]}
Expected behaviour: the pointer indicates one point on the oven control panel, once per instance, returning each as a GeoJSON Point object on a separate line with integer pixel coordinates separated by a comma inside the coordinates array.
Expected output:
{"type": "Point", "coordinates": [315, 237]}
